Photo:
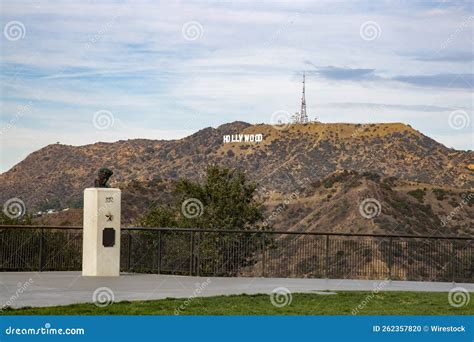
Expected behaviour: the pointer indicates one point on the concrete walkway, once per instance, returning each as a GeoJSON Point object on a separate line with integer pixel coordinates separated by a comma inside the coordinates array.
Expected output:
{"type": "Point", "coordinates": [19, 289]}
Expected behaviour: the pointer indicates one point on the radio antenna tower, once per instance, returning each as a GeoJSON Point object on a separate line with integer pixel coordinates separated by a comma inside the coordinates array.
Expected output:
{"type": "Point", "coordinates": [303, 116]}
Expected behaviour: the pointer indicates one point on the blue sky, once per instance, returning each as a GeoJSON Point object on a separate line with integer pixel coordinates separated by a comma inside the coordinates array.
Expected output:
{"type": "Point", "coordinates": [163, 70]}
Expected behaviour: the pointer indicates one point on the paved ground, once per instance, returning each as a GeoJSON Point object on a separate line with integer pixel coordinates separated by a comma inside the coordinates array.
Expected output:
{"type": "Point", "coordinates": [20, 289]}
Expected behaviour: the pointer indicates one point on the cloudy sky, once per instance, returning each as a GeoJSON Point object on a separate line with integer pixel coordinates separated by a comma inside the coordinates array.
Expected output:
{"type": "Point", "coordinates": [79, 72]}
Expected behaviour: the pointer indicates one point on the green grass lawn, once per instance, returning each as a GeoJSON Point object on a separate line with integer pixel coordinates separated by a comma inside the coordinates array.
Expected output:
{"type": "Point", "coordinates": [342, 303]}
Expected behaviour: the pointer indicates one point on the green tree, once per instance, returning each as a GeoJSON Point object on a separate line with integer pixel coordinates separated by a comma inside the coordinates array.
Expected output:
{"type": "Point", "coordinates": [224, 201]}
{"type": "Point", "coordinates": [6, 220]}
{"type": "Point", "coordinates": [159, 217]}
{"type": "Point", "coordinates": [51, 203]}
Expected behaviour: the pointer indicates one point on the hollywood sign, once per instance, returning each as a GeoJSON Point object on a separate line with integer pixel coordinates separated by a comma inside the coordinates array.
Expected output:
{"type": "Point", "coordinates": [238, 138]}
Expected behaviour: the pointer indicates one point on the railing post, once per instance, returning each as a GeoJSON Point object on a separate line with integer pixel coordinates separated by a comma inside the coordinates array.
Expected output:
{"type": "Point", "coordinates": [198, 260]}
{"type": "Point", "coordinates": [129, 251]}
{"type": "Point", "coordinates": [408, 272]}
{"type": "Point", "coordinates": [390, 258]}
{"type": "Point", "coordinates": [264, 259]}
{"type": "Point", "coordinates": [191, 259]}
{"type": "Point", "coordinates": [326, 268]}
{"type": "Point", "coordinates": [453, 260]}
{"type": "Point", "coordinates": [41, 251]}
{"type": "Point", "coordinates": [159, 251]}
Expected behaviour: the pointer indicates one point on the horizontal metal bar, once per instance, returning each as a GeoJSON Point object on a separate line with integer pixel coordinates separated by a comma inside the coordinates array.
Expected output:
{"type": "Point", "coordinates": [252, 232]}
{"type": "Point", "coordinates": [17, 226]}
{"type": "Point", "coordinates": [296, 233]}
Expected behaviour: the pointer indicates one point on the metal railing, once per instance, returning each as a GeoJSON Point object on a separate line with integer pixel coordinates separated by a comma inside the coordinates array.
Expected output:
{"type": "Point", "coordinates": [206, 252]}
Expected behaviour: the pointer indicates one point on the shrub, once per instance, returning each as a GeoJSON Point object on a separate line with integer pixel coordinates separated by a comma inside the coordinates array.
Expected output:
{"type": "Point", "coordinates": [419, 194]}
{"type": "Point", "coordinates": [439, 193]}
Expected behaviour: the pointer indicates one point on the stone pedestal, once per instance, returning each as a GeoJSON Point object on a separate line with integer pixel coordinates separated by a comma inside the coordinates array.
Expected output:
{"type": "Point", "coordinates": [101, 235]}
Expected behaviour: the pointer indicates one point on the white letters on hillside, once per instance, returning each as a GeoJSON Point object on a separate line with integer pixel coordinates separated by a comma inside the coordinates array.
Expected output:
{"type": "Point", "coordinates": [238, 138]}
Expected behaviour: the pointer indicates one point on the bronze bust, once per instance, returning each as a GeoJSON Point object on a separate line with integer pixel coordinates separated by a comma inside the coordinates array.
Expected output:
{"type": "Point", "coordinates": [103, 177]}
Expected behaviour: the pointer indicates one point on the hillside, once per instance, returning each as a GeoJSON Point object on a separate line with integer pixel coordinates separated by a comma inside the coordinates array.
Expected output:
{"type": "Point", "coordinates": [333, 205]}
{"type": "Point", "coordinates": [288, 159]}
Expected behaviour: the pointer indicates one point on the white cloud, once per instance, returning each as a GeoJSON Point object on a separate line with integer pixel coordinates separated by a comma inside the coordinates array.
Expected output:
{"type": "Point", "coordinates": [132, 60]}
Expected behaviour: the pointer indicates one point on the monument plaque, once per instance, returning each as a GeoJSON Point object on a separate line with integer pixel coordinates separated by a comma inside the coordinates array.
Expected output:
{"type": "Point", "coordinates": [101, 236]}
{"type": "Point", "coordinates": [108, 237]}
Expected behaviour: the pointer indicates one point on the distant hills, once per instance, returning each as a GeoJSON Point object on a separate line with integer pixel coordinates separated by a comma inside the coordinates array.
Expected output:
{"type": "Point", "coordinates": [417, 180]}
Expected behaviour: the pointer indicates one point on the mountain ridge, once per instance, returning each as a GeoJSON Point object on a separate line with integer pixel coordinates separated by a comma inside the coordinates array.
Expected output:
{"type": "Point", "coordinates": [286, 154]}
